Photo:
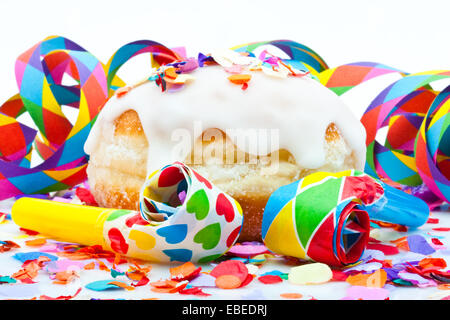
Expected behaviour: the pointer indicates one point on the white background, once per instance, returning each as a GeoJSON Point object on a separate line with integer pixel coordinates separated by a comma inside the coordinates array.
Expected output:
{"type": "Point", "coordinates": [409, 35]}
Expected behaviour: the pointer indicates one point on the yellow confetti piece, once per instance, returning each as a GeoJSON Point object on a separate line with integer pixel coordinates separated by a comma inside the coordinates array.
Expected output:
{"type": "Point", "coordinates": [240, 78]}
{"type": "Point", "coordinates": [313, 273]}
{"type": "Point", "coordinates": [36, 242]}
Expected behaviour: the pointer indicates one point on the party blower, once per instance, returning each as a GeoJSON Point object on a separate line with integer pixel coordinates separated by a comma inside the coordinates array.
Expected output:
{"type": "Point", "coordinates": [326, 217]}
{"type": "Point", "coordinates": [183, 217]}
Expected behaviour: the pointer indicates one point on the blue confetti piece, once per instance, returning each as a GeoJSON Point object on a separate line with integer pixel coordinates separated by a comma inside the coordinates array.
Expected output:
{"type": "Point", "coordinates": [273, 273]}
{"type": "Point", "coordinates": [7, 279]}
{"type": "Point", "coordinates": [115, 273]}
{"type": "Point", "coordinates": [25, 256]}
{"type": "Point", "coordinates": [102, 285]}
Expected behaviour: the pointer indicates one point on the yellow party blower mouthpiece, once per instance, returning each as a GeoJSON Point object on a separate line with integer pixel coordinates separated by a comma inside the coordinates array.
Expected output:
{"type": "Point", "coordinates": [62, 221]}
{"type": "Point", "coordinates": [182, 217]}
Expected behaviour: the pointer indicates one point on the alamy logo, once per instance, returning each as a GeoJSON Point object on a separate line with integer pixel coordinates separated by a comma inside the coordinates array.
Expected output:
{"type": "Point", "coordinates": [255, 145]}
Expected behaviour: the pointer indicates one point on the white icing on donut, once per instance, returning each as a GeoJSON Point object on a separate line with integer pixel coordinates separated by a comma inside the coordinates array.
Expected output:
{"type": "Point", "coordinates": [299, 107]}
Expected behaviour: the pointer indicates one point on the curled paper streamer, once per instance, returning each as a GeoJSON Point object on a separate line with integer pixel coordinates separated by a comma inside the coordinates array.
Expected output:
{"type": "Point", "coordinates": [416, 150]}
{"type": "Point", "coordinates": [40, 73]}
{"type": "Point", "coordinates": [183, 217]}
{"type": "Point", "coordinates": [301, 57]}
{"type": "Point", "coordinates": [403, 106]}
{"type": "Point", "coordinates": [325, 217]}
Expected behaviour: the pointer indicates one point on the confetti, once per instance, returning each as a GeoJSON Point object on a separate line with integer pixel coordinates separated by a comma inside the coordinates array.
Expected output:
{"type": "Point", "coordinates": [248, 249]}
{"type": "Point", "coordinates": [228, 281]}
{"type": "Point", "coordinates": [8, 245]}
{"type": "Point", "coordinates": [386, 249]}
{"type": "Point", "coordinates": [36, 242]}
{"type": "Point", "coordinates": [428, 264]}
{"type": "Point", "coordinates": [45, 297]}
{"type": "Point", "coordinates": [186, 271]}
{"type": "Point", "coordinates": [366, 293]}
{"type": "Point", "coordinates": [102, 285]}
{"type": "Point", "coordinates": [291, 295]}
{"type": "Point", "coordinates": [26, 256]}
{"type": "Point", "coordinates": [230, 267]}
{"type": "Point", "coordinates": [376, 279]}
{"type": "Point", "coordinates": [270, 279]}
{"type": "Point", "coordinates": [419, 244]}
{"type": "Point", "coordinates": [194, 291]}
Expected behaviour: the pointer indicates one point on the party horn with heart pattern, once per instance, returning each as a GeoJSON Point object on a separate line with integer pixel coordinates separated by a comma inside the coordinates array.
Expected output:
{"type": "Point", "coordinates": [183, 217]}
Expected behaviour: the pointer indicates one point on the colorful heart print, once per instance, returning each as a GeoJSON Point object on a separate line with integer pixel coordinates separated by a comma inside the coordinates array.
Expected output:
{"type": "Point", "coordinates": [198, 204]}
{"type": "Point", "coordinates": [224, 207]}
{"type": "Point", "coordinates": [183, 217]}
{"type": "Point", "coordinates": [209, 236]}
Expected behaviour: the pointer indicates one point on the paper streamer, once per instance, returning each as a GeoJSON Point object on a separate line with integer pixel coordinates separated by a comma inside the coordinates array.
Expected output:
{"type": "Point", "coordinates": [40, 74]}
{"type": "Point", "coordinates": [325, 217]}
{"type": "Point", "coordinates": [301, 57]}
{"type": "Point", "coordinates": [410, 157]}
{"type": "Point", "coordinates": [183, 217]}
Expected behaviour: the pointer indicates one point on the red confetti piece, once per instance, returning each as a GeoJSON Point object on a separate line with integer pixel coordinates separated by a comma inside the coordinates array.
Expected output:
{"type": "Point", "coordinates": [436, 241]}
{"type": "Point", "coordinates": [247, 280]}
{"type": "Point", "coordinates": [194, 291]}
{"type": "Point", "coordinates": [339, 275]}
{"type": "Point", "coordinates": [231, 267]}
{"type": "Point", "coordinates": [8, 245]}
{"type": "Point", "coordinates": [270, 279]}
{"type": "Point", "coordinates": [385, 263]}
{"type": "Point", "coordinates": [441, 229]}
{"type": "Point", "coordinates": [142, 282]}
{"type": "Point", "coordinates": [44, 297]}
{"type": "Point", "coordinates": [29, 232]}
{"type": "Point", "coordinates": [433, 220]}
{"type": "Point", "coordinates": [428, 264]}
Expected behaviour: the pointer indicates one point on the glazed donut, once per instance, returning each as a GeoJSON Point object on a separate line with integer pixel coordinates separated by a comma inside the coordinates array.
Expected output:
{"type": "Point", "coordinates": [303, 127]}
